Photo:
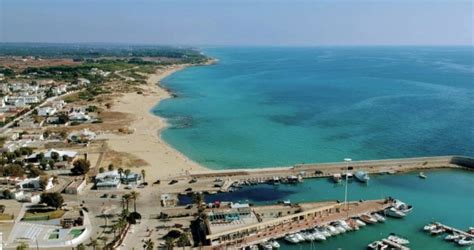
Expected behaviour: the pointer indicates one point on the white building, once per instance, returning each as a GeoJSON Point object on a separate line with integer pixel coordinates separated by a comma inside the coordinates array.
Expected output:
{"type": "Point", "coordinates": [46, 111]}
{"type": "Point", "coordinates": [79, 117]}
{"type": "Point", "coordinates": [34, 184]}
{"type": "Point", "coordinates": [107, 180]}
{"type": "Point", "coordinates": [48, 155]}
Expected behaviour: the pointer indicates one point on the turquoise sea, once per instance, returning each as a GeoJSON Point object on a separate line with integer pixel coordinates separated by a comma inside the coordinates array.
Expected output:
{"type": "Point", "coordinates": [280, 106]}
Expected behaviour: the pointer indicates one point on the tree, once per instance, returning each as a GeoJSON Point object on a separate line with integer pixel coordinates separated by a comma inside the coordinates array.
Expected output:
{"type": "Point", "coordinates": [111, 167]}
{"type": "Point", "coordinates": [169, 243]}
{"type": "Point", "coordinates": [183, 240]}
{"type": "Point", "coordinates": [43, 181]}
{"type": "Point", "coordinates": [120, 171]}
{"type": "Point", "coordinates": [126, 199]}
{"type": "Point", "coordinates": [143, 174]}
{"type": "Point", "coordinates": [101, 170]}
{"type": "Point", "coordinates": [134, 196]}
{"type": "Point", "coordinates": [52, 199]}
{"type": "Point", "coordinates": [149, 245]}
{"type": "Point", "coordinates": [23, 246]}
{"type": "Point", "coordinates": [35, 172]}
{"type": "Point", "coordinates": [55, 156]}
{"type": "Point", "coordinates": [81, 166]}
{"type": "Point", "coordinates": [81, 247]}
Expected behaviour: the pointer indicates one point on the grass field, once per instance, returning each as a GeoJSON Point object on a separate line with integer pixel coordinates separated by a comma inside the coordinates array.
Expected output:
{"type": "Point", "coordinates": [49, 215]}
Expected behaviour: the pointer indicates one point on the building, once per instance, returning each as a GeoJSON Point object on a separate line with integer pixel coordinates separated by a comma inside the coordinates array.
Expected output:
{"type": "Point", "coordinates": [107, 180]}
{"type": "Point", "coordinates": [78, 117]}
{"type": "Point", "coordinates": [34, 184]}
{"type": "Point", "coordinates": [71, 155]}
{"type": "Point", "coordinates": [77, 186]}
{"type": "Point", "coordinates": [81, 136]}
{"type": "Point", "coordinates": [46, 111]}
{"type": "Point", "coordinates": [132, 178]}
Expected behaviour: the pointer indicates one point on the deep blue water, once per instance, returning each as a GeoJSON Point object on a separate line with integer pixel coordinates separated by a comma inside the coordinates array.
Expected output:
{"type": "Point", "coordinates": [281, 106]}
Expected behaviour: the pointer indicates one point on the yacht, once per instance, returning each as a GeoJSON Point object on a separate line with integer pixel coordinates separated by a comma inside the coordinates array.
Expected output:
{"type": "Point", "coordinates": [332, 230]}
{"type": "Point", "coordinates": [360, 223]}
{"type": "Point", "coordinates": [377, 245]}
{"type": "Point", "coordinates": [299, 237]}
{"type": "Point", "coordinates": [453, 237]}
{"type": "Point", "coordinates": [403, 207]}
{"type": "Point", "coordinates": [429, 227]}
{"type": "Point", "coordinates": [398, 240]}
{"type": "Point", "coordinates": [466, 241]}
{"type": "Point", "coordinates": [266, 245]}
{"type": "Point", "coordinates": [393, 212]}
{"type": "Point", "coordinates": [344, 225]}
{"type": "Point", "coordinates": [378, 217]}
{"type": "Point", "coordinates": [292, 238]}
{"type": "Point", "coordinates": [324, 232]}
{"type": "Point", "coordinates": [438, 230]}
{"type": "Point", "coordinates": [274, 244]}
{"type": "Point", "coordinates": [422, 175]}
{"type": "Point", "coordinates": [308, 236]}
{"type": "Point", "coordinates": [337, 178]}
{"type": "Point", "coordinates": [362, 176]}
{"type": "Point", "coordinates": [368, 219]}
{"type": "Point", "coordinates": [318, 236]}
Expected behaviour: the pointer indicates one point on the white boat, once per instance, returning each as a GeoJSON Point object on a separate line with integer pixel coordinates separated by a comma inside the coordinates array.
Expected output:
{"type": "Point", "coordinates": [292, 238]}
{"type": "Point", "coordinates": [402, 206]}
{"type": "Point", "coordinates": [466, 241]}
{"type": "Point", "coordinates": [378, 217]}
{"type": "Point", "coordinates": [362, 176]}
{"type": "Point", "coordinates": [438, 230]}
{"type": "Point", "coordinates": [360, 223]}
{"type": "Point", "coordinates": [377, 245]}
{"type": "Point", "coordinates": [299, 237]}
{"type": "Point", "coordinates": [266, 245]}
{"type": "Point", "coordinates": [422, 175]}
{"type": "Point", "coordinates": [429, 227]}
{"type": "Point", "coordinates": [368, 219]}
{"type": "Point", "coordinates": [337, 178]}
{"type": "Point", "coordinates": [307, 236]}
{"type": "Point", "coordinates": [340, 229]}
{"type": "Point", "coordinates": [275, 244]}
{"type": "Point", "coordinates": [393, 212]}
{"type": "Point", "coordinates": [332, 230]}
{"type": "Point", "coordinates": [324, 232]}
{"type": "Point", "coordinates": [318, 236]}
{"type": "Point", "coordinates": [453, 237]}
{"type": "Point", "coordinates": [253, 247]}
{"type": "Point", "coordinates": [398, 240]}
{"type": "Point", "coordinates": [344, 225]}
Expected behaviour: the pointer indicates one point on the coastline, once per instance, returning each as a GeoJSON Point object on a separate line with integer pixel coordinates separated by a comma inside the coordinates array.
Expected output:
{"type": "Point", "coordinates": [163, 161]}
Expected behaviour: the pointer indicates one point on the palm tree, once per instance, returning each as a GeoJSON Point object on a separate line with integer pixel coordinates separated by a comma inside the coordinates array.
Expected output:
{"type": "Point", "coordinates": [80, 247]}
{"type": "Point", "coordinates": [169, 243]}
{"type": "Point", "coordinates": [122, 223]}
{"type": "Point", "coordinates": [143, 174]}
{"type": "Point", "coordinates": [94, 243]}
{"type": "Point", "coordinates": [120, 171]}
{"type": "Point", "coordinates": [114, 229]}
{"type": "Point", "coordinates": [103, 239]}
{"type": "Point", "coordinates": [198, 199]}
{"type": "Point", "coordinates": [134, 196]}
{"type": "Point", "coordinates": [126, 199]}
{"type": "Point", "coordinates": [149, 245]}
{"type": "Point", "coordinates": [183, 240]}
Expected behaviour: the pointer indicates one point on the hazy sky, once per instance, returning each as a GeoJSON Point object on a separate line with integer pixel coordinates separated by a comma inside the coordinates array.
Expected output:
{"type": "Point", "coordinates": [244, 22]}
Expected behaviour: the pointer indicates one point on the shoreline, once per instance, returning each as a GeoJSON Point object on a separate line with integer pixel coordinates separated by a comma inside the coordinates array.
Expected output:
{"type": "Point", "coordinates": [146, 143]}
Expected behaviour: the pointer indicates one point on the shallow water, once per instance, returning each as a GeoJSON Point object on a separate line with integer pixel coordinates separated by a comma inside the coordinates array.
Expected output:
{"type": "Point", "coordinates": [281, 106]}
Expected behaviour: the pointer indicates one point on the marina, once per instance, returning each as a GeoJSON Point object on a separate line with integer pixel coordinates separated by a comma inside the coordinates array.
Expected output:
{"type": "Point", "coordinates": [460, 237]}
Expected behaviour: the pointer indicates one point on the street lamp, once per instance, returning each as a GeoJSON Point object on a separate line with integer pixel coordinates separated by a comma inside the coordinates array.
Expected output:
{"type": "Point", "coordinates": [347, 160]}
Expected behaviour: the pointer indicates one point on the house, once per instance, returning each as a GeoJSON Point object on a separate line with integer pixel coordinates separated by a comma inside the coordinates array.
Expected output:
{"type": "Point", "coordinates": [81, 136]}
{"type": "Point", "coordinates": [71, 155]}
{"type": "Point", "coordinates": [58, 90]}
{"type": "Point", "coordinates": [78, 117]}
{"type": "Point", "coordinates": [29, 122]}
{"type": "Point", "coordinates": [33, 137]}
{"type": "Point", "coordinates": [58, 104]}
{"type": "Point", "coordinates": [46, 111]}
{"type": "Point", "coordinates": [132, 178]}
{"type": "Point", "coordinates": [34, 184]}
{"type": "Point", "coordinates": [107, 180]}
{"type": "Point", "coordinates": [77, 186]}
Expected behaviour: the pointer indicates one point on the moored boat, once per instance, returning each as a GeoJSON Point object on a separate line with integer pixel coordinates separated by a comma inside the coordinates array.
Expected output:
{"type": "Point", "coordinates": [466, 241]}
{"type": "Point", "coordinates": [292, 238]}
{"type": "Point", "coordinates": [275, 244]}
{"type": "Point", "coordinates": [324, 232]}
{"type": "Point", "coordinates": [429, 227]}
{"type": "Point", "coordinates": [398, 239]}
{"type": "Point", "coordinates": [453, 237]}
{"type": "Point", "coordinates": [422, 175]}
{"type": "Point", "coordinates": [377, 245]}
{"type": "Point", "coordinates": [337, 178]}
{"type": "Point", "coordinates": [437, 230]}
{"type": "Point", "coordinates": [266, 245]}
{"type": "Point", "coordinates": [368, 219]}
{"type": "Point", "coordinates": [332, 230]}
{"type": "Point", "coordinates": [318, 236]}
{"type": "Point", "coordinates": [393, 212]}
{"type": "Point", "coordinates": [362, 176]}
{"type": "Point", "coordinates": [402, 206]}
{"type": "Point", "coordinates": [378, 217]}
{"type": "Point", "coordinates": [360, 223]}
{"type": "Point", "coordinates": [299, 237]}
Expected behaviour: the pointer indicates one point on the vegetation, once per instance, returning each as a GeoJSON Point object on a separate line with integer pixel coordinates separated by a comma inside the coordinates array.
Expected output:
{"type": "Point", "coordinates": [23, 246]}
{"type": "Point", "coordinates": [52, 199]}
{"type": "Point", "coordinates": [81, 166]}
{"type": "Point", "coordinates": [43, 214]}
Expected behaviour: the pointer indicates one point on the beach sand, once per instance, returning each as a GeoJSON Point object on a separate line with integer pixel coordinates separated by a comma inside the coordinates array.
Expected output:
{"type": "Point", "coordinates": [145, 141]}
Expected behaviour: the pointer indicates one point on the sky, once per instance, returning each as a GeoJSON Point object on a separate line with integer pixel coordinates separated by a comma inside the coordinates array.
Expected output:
{"type": "Point", "coordinates": [239, 22]}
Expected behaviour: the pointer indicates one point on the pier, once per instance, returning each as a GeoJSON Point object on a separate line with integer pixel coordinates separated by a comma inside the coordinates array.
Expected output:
{"type": "Point", "coordinates": [394, 245]}
{"type": "Point", "coordinates": [259, 225]}
{"type": "Point", "coordinates": [453, 230]}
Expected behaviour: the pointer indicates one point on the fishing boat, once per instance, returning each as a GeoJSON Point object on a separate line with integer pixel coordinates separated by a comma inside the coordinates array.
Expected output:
{"type": "Point", "coordinates": [292, 238]}
{"type": "Point", "coordinates": [362, 176]}
{"type": "Point", "coordinates": [377, 245]}
{"type": "Point", "coordinates": [368, 219]}
{"type": "Point", "coordinates": [398, 239]}
{"type": "Point", "coordinates": [393, 212]}
{"type": "Point", "coordinates": [360, 223]}
{"type": "Point", "coordinates": [337, 178]}
{"type": "Point", "coordinates": [453, 237]}
{"type": "Point", "coordinates": [466, 241]}
{"type": "Point", "coordinates": [422, 175]}
{"type": "Point", "coordinates": [378, 217]}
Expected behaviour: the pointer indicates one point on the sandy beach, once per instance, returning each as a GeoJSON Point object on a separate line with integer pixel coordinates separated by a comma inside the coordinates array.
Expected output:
{"type": "Point", "coordinates": [145, 141]}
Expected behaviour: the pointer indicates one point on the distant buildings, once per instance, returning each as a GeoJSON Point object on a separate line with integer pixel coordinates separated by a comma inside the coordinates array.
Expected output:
{"type": "Point", "coordinates": [107, 180]}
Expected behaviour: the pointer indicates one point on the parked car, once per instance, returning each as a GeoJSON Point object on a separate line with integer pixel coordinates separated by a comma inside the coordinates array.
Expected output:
{"type": "Point", "coordinates": [193, 180]}
{"type": "Point", "coordinates": [173, 182]}
{"type": "Point", "coordinates": [104, 196]}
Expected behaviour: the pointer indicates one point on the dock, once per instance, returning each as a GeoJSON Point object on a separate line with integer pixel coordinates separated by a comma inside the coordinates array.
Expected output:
{"type": "Point", "coordinates": [453, 230]}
